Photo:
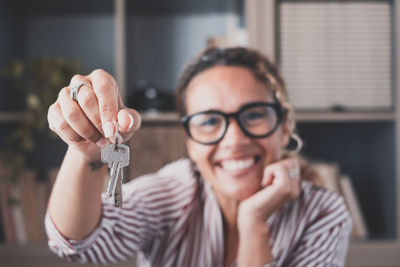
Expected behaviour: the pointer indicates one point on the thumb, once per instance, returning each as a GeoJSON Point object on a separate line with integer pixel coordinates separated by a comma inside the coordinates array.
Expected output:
{"type": "Point", "coordinates": [129, 121]}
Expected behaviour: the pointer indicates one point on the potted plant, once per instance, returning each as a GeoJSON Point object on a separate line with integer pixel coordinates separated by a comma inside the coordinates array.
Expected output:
{"type": "Point", "coordinates": [39, 80]}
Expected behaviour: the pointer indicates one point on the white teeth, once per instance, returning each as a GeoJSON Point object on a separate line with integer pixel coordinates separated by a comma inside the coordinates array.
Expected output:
{"type": "Point", "coordinates": [234, 165]}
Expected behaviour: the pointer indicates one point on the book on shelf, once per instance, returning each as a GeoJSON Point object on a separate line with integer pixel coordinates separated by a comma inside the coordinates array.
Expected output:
{"type": "Point", "coordinates": [23, 206]}
{"type": "Point", "coordinates": [328, 174]}
{"type": "Point", "coordinates": [330, 177]}
{"type": "Point", "coordinates": [17, 216]}
{"type": "Point", "coordinates": [360, 230]}
{"type": "Point", "coordinates": [29, 204]}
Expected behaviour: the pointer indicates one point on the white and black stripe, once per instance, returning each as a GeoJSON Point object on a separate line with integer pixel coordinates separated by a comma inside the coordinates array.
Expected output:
{"type": "Point", "coordinates": [172, 218]}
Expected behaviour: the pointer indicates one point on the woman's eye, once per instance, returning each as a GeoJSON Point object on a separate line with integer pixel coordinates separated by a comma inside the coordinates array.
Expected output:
{"type": "Point", "coordinates": [202, 121]}
{"type": "Point", "coordinates": [210, 122]}
{"type": "Point", "coordinates": [255, 115]}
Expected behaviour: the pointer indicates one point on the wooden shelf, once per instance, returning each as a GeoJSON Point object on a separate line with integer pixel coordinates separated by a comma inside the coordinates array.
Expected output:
{"type": "Point", "coordinates": [160, 117]}
{"type": "Point", "coordinates": [323, 117]}
{"type": "Point", "coordinates": [10, 116]}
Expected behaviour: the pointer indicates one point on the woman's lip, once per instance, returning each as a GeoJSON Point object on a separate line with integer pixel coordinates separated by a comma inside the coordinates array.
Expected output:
{"type": "Point", "coordinates": [243, 157]}
{"type": "Point", "coordinates": [238, 164]}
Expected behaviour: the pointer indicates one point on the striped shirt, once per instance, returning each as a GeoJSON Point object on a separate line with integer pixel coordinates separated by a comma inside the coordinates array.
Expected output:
{"type": "Point", "coordinates": [172, 218]}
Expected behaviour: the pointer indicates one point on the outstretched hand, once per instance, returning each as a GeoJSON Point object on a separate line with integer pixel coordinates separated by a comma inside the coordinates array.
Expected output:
{"type": "Point", "coordinates": [88, 123]}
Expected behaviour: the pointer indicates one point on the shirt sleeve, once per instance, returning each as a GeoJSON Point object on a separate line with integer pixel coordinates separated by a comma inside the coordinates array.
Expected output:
{"type": "Point", "coordinates": [151, 206]}
{"type": "Point", "coordinates": [326, 237]}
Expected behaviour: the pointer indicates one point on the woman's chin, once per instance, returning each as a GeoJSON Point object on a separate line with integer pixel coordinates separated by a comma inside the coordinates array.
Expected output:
{"type": "Point", "coordinates": [240, 193]}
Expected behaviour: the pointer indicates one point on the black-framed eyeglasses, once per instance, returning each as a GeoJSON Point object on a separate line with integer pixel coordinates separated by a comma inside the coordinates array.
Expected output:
{"type": "Point", "coordinates": [256, 119]}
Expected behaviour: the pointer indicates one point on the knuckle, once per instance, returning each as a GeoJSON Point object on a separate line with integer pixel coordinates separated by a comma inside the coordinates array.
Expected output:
{"type": "Point", "coordinates": [50, 112]}
{"type": "Point", "coordinates": [86, 99]}
{"type": "Point", "coordinates": [52, 116]}
{"type": "Point", "coordinates": [93, 136]}
{"type": "Point", "coordinates": [89, 133]}
{"type": "Point", "coordinates": [76, 77]}
{"type": "Point", "coordinates": [98, 72]}
{"type": "Point", "coordinates": [100, 75]}
{"type": "Point", "coordinates": [62, 126]}
{"type": "Point", "coordinates": [103, 87]}
{"type": "Point", "coordinates": [75, 138]}
{"type": "Point", "coordinates": [103, 77]}
{"type": "Point", "coordinates": [63, 92]}
{"type": "Point", "coordinates": [73, 115]}
{"type": "Point", "coordinates": [86, 132]}
{"type": "Point", "coordinates": [107, 109]}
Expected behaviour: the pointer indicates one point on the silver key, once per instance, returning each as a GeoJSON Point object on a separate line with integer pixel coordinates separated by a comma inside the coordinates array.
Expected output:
{"type": "Point", "coordinates": [118, 191]}
{"type": "Point", "coordinates": [117, 157]}
{"type": "Point", "coordinates": [124, 162]}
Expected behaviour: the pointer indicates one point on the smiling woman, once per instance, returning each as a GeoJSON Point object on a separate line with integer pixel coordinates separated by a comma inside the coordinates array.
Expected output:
{"type": "Point", "coordinates": [238, 201]}
{"type": "Point", "coordinates": [219, 162]}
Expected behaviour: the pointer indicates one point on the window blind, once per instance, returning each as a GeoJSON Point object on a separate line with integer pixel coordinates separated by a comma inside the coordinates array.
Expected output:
{"type": "Point", "coordinates": [337, 54]}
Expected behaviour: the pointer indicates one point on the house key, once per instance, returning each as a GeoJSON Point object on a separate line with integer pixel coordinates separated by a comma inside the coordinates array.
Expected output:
{"type": "Point", "coordinates": [117, 157]}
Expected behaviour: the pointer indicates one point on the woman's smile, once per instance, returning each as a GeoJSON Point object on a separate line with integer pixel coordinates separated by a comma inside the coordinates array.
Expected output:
{"type": "Point", "coordinates": [238, 166]}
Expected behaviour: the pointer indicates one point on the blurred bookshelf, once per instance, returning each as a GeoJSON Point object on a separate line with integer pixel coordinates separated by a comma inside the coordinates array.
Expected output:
{"type": "Point", "coordinates": [364, 143]}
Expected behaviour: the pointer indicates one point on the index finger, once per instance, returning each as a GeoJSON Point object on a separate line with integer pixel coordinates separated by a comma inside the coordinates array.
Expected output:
{"type": "Point", "coordinates": [106, 89]}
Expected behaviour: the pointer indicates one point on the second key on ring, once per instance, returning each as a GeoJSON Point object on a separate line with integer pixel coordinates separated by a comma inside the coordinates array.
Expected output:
{"type": "Point", "coordinates": [117, 157]}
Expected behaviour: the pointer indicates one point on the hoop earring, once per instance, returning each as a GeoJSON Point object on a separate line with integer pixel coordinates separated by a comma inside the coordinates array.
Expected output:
{"type": "Point", "coordinates": [299, 143]}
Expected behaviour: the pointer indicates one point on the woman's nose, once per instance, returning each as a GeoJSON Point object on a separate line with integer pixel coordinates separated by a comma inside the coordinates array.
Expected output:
{"type": "Point", "coordinates": [234, 135]}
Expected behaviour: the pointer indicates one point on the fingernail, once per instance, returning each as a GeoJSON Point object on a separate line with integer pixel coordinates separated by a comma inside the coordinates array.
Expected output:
{"type": "Point", "coordinates": [108, 129]}
{"type": "Point", "coordinates": [102, 142]}
{"type": "Point", "coordinates": [131, 123]}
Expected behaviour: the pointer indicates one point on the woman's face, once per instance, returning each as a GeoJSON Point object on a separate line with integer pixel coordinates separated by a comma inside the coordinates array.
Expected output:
{"type": "Point", "coordinates": [234, 166]}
